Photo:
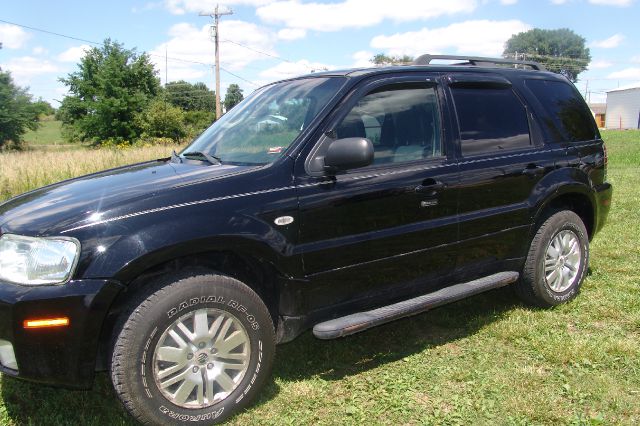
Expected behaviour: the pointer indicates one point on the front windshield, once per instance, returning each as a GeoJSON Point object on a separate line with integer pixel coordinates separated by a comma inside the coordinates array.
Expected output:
{"type": "Point", "coordinates": [260, 128]}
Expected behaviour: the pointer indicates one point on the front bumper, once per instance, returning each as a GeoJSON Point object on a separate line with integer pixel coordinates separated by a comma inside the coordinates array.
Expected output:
{"type": "Point", "coordinates": [64, 356]}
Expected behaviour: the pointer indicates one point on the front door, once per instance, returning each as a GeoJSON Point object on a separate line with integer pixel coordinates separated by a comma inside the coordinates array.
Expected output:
{"type": "Point", "coordinates": [379, 233]}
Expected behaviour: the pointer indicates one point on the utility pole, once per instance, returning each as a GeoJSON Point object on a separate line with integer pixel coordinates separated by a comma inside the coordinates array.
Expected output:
{"type": "Point", "coordinates": [216, 14]}
{"type": "Point", "coordinates": [586, 91]}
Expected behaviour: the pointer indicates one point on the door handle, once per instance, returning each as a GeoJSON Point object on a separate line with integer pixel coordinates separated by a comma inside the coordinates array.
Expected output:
{"type": "Point", "coordinates": [533, 170]}
{"type": "Point", "coordinates": [430, 187]}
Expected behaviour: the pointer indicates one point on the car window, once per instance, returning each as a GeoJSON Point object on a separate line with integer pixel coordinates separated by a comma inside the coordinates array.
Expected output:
{"type": "Point", "coordinates": [567, 116]}
{"type": "Point", "coordinates": [259, 130]}
{"type": "Point", "coordinates": [491, 120]}
{"type": "Point", "coordinates": [402, 122]}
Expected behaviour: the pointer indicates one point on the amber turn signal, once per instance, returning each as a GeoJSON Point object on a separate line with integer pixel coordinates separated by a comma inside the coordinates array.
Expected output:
{"type": "Point", "coordinates": [46, 322]}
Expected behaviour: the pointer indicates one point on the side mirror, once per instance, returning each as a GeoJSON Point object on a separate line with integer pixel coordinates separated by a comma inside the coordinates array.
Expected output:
{"type": "Point", "coordinates": [348, 153]}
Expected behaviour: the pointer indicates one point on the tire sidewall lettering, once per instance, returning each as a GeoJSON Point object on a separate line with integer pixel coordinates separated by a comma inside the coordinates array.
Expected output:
{"type": "Point", "coordinates": [220, 300]}
{"type": "Point", "coordinates": [571, 292]}
{"type": "Point", "coordinates": [212, 415]}
{"type": "Point", "coordinates": [156, 308]}
{"type": "Point", "coordinates": [229, 305]}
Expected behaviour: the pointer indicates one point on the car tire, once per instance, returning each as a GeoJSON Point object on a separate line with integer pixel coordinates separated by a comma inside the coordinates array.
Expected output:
{"type": "Point", "coordinates": [192, 350]}
{"type": "Point", "coordinates": [557, 261]}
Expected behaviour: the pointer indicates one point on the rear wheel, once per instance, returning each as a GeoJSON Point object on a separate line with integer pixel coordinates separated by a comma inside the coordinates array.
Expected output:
{"type": "Point", "coordinates": [557, 261]}
{"type": "Point", "coordinates": [195, 350]}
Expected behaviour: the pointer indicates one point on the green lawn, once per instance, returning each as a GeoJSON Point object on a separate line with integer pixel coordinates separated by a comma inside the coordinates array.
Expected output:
{"type": "Point", "coordinates": [48, 133]}
{"type": "Point", "coordinates": [485, 360]}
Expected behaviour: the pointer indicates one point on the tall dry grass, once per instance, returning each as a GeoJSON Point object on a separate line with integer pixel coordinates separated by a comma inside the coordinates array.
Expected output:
{"type": "Point", "coordinates": [24, 171]}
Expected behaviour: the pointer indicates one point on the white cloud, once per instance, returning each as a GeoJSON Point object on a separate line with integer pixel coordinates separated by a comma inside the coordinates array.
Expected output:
{"type": "Point", "coordinates": [73, 54]}
{"type": "Point", "coordinates": [356, 13]}
{"type": "Point", "coordinates": [13, 37]}
{"type": "Point", "coordinates": [194, 48]}
{"type": "Point", "coordinates": [24, 68]}
{"type": "Point", "coordinates": [292, 69]}
{"type": "Point", "coordinates": [180, 7]}
{"type": "Point", "coordinates": [291, 33]}
{"type": "Point", "coordinates": [626, 74]}
{"type": "Point", "coordinates": [148, 6]}
{"type": "Point", "coordinates": [61, 91]}
{"type": "Point", "coordinates": [600, 65]}
{"type": "Point", "coordinates": [619, 3]}
{"type": "Point", "coordinates": [362, 59]}
{"type": "Point", "coordinates": [508, 2]}
{"type": "Point", "coordinates": [558, 2]}
{"type": "Point", "coordinates": [635, 58]}
{"type": "Point", "coordinates": [39, 50]}
{"type": "Point", "coordinates": [609, 43]}
{"type": "Point", "coordinates": [481, 37]}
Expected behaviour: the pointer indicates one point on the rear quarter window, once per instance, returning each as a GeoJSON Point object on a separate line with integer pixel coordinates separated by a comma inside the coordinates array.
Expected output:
{"type": "Point", "coordinates": [567, 117]}
{"type": "Point", "coordinates": [491, 120]}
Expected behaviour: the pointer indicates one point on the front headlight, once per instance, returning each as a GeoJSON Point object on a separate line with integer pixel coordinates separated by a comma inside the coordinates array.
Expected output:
{"type": "Point", "coordinates": [37, 261]}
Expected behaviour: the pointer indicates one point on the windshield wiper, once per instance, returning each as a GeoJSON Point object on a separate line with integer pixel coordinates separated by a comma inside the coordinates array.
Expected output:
{"type": "Point", "coordinates": [208, 157]}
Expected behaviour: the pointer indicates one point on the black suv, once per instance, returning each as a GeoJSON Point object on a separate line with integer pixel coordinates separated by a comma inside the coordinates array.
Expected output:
{"type": "Point", "coordinates": [336, 201]}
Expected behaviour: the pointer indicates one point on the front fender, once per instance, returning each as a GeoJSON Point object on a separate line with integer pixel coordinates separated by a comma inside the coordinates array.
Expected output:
{"type": "Point", "coordinates": [124, 250]}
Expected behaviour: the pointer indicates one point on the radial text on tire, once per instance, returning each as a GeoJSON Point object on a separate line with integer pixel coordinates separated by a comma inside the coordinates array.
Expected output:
{"type": "Point", "coordinates": [557, 261]}
{"type": "Point", "coordinates": [192, 350]}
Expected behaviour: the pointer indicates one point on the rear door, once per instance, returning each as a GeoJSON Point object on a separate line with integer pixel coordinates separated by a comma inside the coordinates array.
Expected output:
{"type": "Point", "coordinates": [570, 125]}
{"type": "Point", "coordinates": [377, 233]}
{"type": "Point", "coordinates": [501, 161]}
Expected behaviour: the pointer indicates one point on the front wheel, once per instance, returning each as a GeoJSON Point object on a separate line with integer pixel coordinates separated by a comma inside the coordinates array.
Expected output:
{"type": "Point", "coordinates": [557, 261]}
{"type": "Point", "coordinates": [195, 350]}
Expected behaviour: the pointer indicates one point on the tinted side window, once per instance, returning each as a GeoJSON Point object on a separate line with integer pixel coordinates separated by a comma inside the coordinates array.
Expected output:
{"type": "Point", "coordinates": [490, 120]}
{"type": "Point", "coordinates": [402, 122]}
{"type": "Point", "coordinates": [567, 116]}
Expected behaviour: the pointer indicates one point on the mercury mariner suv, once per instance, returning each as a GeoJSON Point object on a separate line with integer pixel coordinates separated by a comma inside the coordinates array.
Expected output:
{"type": "Point", "coordinates": [335, 202]}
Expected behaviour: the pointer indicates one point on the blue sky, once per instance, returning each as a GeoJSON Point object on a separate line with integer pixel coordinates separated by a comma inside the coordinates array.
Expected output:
{"type": "Point", "coordinates": [266, 40]}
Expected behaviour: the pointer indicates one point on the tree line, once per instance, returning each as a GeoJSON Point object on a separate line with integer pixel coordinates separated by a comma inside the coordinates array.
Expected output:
{"type": "Point", "coordinates": [114, 97]}
{"type": "Point", "coordinates": [561, 51]}
{"type": "Point", "coordinates": [19, 112]}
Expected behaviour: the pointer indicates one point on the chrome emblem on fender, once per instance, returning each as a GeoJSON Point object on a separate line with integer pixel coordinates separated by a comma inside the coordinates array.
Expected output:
{"type": "Point", "coordinates": [283, 220]}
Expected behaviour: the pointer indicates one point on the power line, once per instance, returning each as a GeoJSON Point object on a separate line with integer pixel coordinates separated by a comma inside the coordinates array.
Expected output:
{"type": "Point", "coordinates": [280, 58]}
{"type": "Point", "coordinates": [258, 51]}
{"type": "Point", "coordinates": [241, 78]}
{"type": "Point", "coordinates": [169, 58]}
{"type": "Point", "coordinates": [51, 32]}
{"type": "Point", "coordinates": [95, 42]}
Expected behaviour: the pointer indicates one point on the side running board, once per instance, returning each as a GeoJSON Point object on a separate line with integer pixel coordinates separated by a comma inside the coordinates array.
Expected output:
{"type": "Point", "coordinates": [361, 321]}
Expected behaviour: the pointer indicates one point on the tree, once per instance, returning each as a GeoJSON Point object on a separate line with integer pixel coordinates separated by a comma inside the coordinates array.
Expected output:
{"type": "Point", "coordinates": [162, 120]}
{"type": "Point", "coordinates": [42, 108]}
{"type": "Point", "coordinates": [382, 59]}
{"type": "Point", "coordinates": [17, 114]}
{"type": "Point", "coordinates": [111, 87]}
{"type": "Point", "coordinates": [190, 97]}
{"type": "Point", "coordinates": [233, 97]}
{"type": "Point", "coordinates": [197, 121]}
{"type": "Point", "coordinates": [561, 50]}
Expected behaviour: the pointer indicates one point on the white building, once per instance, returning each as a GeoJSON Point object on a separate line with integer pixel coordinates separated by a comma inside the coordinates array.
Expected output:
{"type": "Point", "coordinates": [271, 122]}
{"type": "Point", "coordinates": [623, 108]}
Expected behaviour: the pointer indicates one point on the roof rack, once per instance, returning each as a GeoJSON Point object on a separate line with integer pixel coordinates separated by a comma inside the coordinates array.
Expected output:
{"type": "Point", "coordinates": [477, 61]}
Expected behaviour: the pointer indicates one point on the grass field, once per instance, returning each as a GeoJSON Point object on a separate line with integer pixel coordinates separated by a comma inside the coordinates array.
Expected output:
{"type": "Point", "coordinates": [23, 171]}
{"type": "Point", "coordinates": [485, 360]}
{"type": "Point", "coordinates": [48, 134]}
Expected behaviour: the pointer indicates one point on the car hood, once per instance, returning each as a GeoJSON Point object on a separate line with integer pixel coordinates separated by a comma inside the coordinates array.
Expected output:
{"type": "Point", "coordinates": [63, 204]}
